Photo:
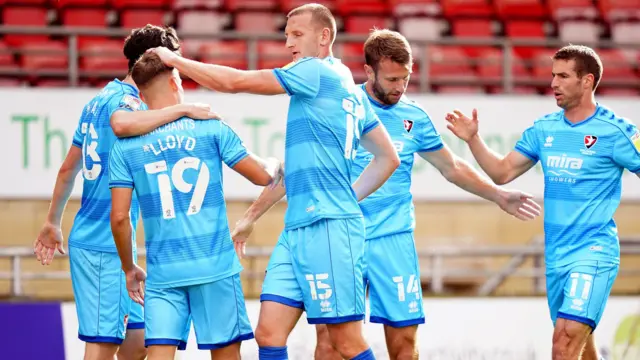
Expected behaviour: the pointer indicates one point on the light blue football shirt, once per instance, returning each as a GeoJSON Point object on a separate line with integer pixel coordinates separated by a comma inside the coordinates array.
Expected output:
{"type": "Point", "coordinates": [91, 228]}
{"type": "Point", "coordinates": [582, 165]}
{"type": "Point", "coordinates": [390, 209]}
{"type": "Point", "coordinates": [176, 171]}
{"type": "Point", "coordinates": [327, 115]}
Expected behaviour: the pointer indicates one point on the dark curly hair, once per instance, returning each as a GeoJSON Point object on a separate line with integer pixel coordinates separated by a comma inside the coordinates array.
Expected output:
{"type": "Point", "coordinates": [142, 39]}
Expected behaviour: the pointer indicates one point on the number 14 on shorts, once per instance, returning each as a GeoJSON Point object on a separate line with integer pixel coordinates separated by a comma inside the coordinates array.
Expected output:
{"type": "Point", "coordinates": [413, 287]}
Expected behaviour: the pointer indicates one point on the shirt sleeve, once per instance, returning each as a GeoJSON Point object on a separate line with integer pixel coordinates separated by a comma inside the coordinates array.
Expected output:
{"type": "Point", "coordinates": [232, 149]}
{"type": "Point", "coordinates": [528, 144]}
{"type": "Point", "coordinates": [301, 78]}
{"type": "Point", "coordinates": [78, 135]}
{"type": "Point", "coordinates": [626, 152]}
{"type": "Point", "coordinates": [430, 139]}
{"type": "Point", "coordinates": [371, 120]}
{"type": "Point", "coordinates": [119, 174]}
{"type": "Point", "coordinates": [126, 102]}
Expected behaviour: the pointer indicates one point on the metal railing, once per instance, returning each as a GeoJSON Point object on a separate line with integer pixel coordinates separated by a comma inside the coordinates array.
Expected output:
{"type": "Point", "coordinates": [507, 81]}
{"type": "Point", "coordinates": [436, 272]}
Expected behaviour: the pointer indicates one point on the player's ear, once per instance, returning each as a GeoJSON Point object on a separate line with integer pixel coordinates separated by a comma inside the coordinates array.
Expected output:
{"type": "Point", "coordinates": [588, 81]}
{"type": "Point", "coordinates": [325, 37]}
{"type": "Point", "coordinates": [371, 74]}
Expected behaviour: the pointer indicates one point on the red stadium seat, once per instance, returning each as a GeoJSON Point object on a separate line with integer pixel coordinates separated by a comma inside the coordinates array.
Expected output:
{"type": "Point", "coordinates": [288, 5]}
{"type": "Point", "coordinates": [6, 57]}
{"type": "Point", "coordinates": [229, 53]}
{"type": "Point", "coordinates": [616, 66]}
{"type": "Point", "coordinates": [490, 63]}
{"type": "Point", "coordinates": [517, 90]}
{"type": "Point", "coordinates": [188, 84]}
{"type": "Point", "coordinates": [105, 55]}
{"type": "Point", "coordinates": [349, 7]}
{"type": "Point", "coordinates": [51, 55]}
{"type": "Point", "coordinates": [450, 63]}
{"type": "Point", "coordinates": [80, 3]}
{"type": "Point", "coordinates": [510, 9]}
{"type": "Point", "coordinates": [257, 22]}
{"type": "Point", "coordinates": [122, 4]}
{"type": "Point", "coordinates": [273, 54]}
{"type": "Point", "coordinates": [24, 16]}
{"type": "Point", "coordinates": [572, 9]}
{"type": "Point", "coordinates": [527, 30]}
{"type": "Point", "coordinates": [613, 10]}
{"type": "Point", "coordinates": [364, 24]}
{"type": "Point", "coordinates": [457, 8]}
{"type": "Point", "coordinates": [415, 7]}
{"type": "Point", "coordinates": [472, 28]}
{"type": "Point", "coordinates": [135, 18]}
{"type": "Point", "coordinates": [25, 2]}
{"type": "Point", "coordinates": [237, 5]}
{"type": "Point", "coordinates": [352, 56]}
{"type": "Point", "coordinates": [94, 18]}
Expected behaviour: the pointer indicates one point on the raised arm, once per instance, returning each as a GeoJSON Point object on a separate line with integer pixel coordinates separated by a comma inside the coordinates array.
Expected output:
{"type": "Point", "coordinates": [501, 169]}
{"type": "Point", "coordinates": [460, 173]}
{"type": "Point", "coordinates": [223, 78]}
{"type": "Point", "coordinates": [50, 236]}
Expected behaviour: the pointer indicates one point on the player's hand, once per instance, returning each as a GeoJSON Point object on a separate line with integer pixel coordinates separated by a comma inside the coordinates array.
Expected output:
{"type": "Point", "coordinates": [49, 239]}
{"type": "Point", "coordinates": [135, 283]}
{"type": "Point", "coordinates": [461, 125]}
{"type": "Point", "coordinates": [199, 111]}
{"type": "Point", "coordinates": [240, 235]}
{"type": "Point", "coordinates": [167, 56]}
{"type": "Point", "coordinates": [519, 204]}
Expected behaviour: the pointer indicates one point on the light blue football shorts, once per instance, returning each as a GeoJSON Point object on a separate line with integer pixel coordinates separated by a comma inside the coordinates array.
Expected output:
{"type": "Point", "coordinates": [105, 310]}
{"type": "Point", "coordinates": [217, 310]}
{"type": "Point", "coordinates": [318, 268]}
{"type": "Point", "coordinates": [392, 274]}
{"type": "Point", "coordinates": [579, 291]}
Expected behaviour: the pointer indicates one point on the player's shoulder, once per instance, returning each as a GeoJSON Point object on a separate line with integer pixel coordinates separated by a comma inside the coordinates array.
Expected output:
{"type": "Point", "coordinates": [302, 63]}
{"type": "Point", "coordinates": [548, 119]}
{"type": "Point", "coordinates": [411, 108]}
{"type": "Point", "coordinates": [607, 118]}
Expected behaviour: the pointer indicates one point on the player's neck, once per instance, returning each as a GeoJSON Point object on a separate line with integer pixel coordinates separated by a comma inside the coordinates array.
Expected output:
{"type": "Point", "coordinates": [160, 102]}
{"type": "Point", "coordinates": [129, 81]}
{"type": "Point", "coordinates": [581, 112]}
{"type": "Point", "coordinates": [368, 87]}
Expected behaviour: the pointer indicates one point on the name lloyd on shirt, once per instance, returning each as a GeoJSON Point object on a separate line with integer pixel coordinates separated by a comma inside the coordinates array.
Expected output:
{"type": "Point", "coordinates": [171, 142]}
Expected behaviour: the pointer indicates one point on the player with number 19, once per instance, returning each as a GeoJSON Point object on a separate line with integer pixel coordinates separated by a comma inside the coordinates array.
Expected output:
{"type": "Point", "coordinates": [105, 315]}
{"type": "Point", "coordinates": [176, 173]}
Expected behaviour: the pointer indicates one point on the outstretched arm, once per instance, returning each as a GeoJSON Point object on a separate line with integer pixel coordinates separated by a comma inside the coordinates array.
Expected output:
{"type": "Point", "coordinates": [126, 123]}
{"type": "Point", "coordinates": [460, 173]}
{"type": "Point", "coordinates": [223, 78]}
{"type": "Point", "coordinates": [501, 169]}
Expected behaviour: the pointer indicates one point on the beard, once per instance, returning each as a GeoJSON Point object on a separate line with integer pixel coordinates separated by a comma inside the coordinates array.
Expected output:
{"type": "Point", "coordinates": [385, 97]}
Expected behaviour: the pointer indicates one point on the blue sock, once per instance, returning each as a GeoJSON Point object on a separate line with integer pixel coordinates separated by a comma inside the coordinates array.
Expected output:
{"type": "Point", "coordinates": [273, 353]}
{"type": "Point", "coordinates": [365, 355]}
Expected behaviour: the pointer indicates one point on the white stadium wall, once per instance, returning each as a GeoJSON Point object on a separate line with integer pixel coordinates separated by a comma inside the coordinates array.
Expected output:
{"type": "Point", "coordinates": [37, 127]}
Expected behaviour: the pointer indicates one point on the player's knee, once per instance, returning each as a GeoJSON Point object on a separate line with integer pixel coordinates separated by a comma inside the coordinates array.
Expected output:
{"type": "Point", "coordinates": [133, 353]}
{"type": "Point", "coordinates": [324, 348]}
{"type": "Point", "coordinates": [269, 336]}
{"type": "Point", "coordinates": [402, 344]}
{"type": "Point", "coordinates": [568, 341]}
